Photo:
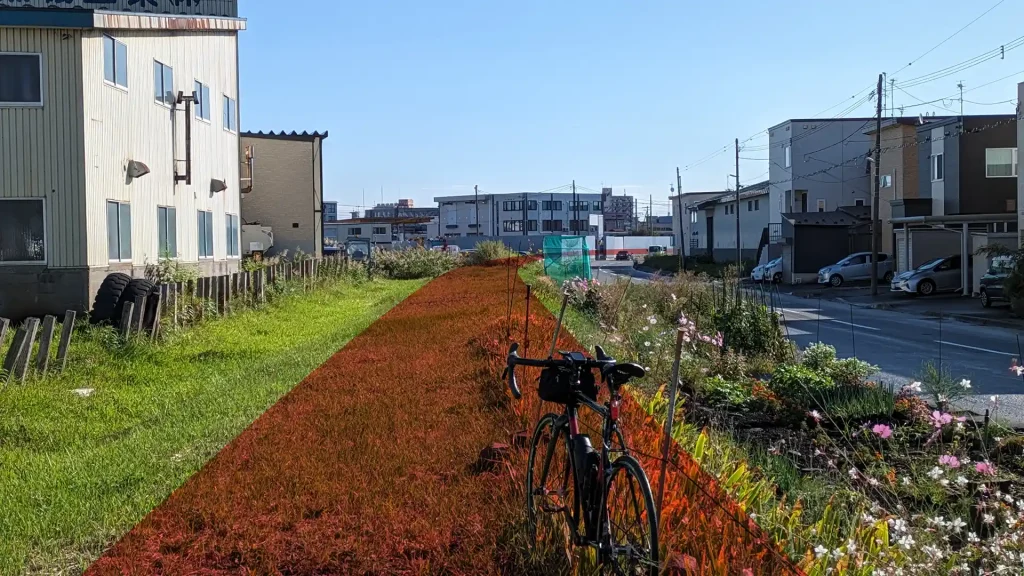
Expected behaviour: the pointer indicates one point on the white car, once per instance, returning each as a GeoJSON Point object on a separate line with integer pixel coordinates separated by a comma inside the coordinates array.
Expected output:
{"type": "Point", "coordinates": [772, 271]}
{"type": "Point", "coordinates": [757, 274]}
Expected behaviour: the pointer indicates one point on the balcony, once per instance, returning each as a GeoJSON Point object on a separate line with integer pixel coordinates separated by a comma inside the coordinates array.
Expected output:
{"type": "Point", "coordinates": [775, 234]}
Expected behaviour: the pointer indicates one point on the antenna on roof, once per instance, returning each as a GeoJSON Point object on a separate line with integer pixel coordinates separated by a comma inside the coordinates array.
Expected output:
{"type": "Point", "coordinates": [920, 119]}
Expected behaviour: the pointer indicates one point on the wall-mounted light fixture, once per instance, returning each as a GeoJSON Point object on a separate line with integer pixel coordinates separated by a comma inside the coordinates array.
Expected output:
{"type": "Point", "coordinates": [218, 186]}
{"type": "Point", "coordinates": [136, 169]}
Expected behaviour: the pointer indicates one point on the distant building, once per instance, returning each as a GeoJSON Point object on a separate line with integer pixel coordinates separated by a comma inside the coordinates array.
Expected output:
{"type": "Point", "coordinates": [711, 223]}
{"type": "Point", "coordinates": [287, 189]}
{"type": "Point", "coordinates": [383, 232]}
{"type": "Point", "coordinates": [330, 211]}
{"type": "Point", "coordinates": [404, 208]}
{"type": "Point", "coordinates": [518, 214]}
{"type": "Point", "coordinates": [618, 212]}
{"type": "Point", "coordinates": [660, 225]}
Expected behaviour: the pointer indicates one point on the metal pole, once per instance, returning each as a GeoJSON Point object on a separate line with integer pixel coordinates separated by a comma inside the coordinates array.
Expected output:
{"type": "Point", "coordinates": [671, 414]}
{"type": "Point", "coordinates": [476, 206]}
{"type": "Point", "coordinates": [558, 326]}
{"type": "Point", "coordinates": [679, 205]}
{"type": "Point", "coordinates": [739, 253]}
{"type": "Point", "coordinates": [875, 232]}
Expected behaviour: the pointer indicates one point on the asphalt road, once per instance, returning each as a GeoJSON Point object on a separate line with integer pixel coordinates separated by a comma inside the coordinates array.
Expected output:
{"type": "Point", "coordinates": [899, 343]}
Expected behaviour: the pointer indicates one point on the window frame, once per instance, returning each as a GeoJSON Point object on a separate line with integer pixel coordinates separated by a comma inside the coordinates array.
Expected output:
{"type": "Point", "coordinates": [757, 204]}
{"type": "Point", "coordinates": [1013, 162]}
{"type": "Point", "coordinates": [230, 113]}
{"type": "Point", "coordinates": [383, 230]}
{"type": "Point", "coordinates": [209, 240]}
{"type": "Point", "coordinates": [511, 225]}
{"type": "Point", "coordinates": [46, 242]}
{"type": "Point", "coordinates": [355, 231]}
{"type": "Point", "coordinates": [552, 205]}
{"type": "Point", "coordinates": [233, 222]}
{"type": "Point", "coordinates": [821, 205]}
{"type": "Point", "coordinates": [174, 255]}
{"type": "Point", "coordinates": [131, 247]}
{"type": "Point", "coordinates": [42, 82]}
{"type": "Point", "coordinates": [937, 165]}
{"type": "Point", "coordinates": [163, 76]}
{"type": "Point", "coordinates": [598, 206]}
{"type": "Point", "coordinates": [789, 156]}
{"type": "Point", "coordinates": [205, 102]}
{"type": "Point", "coordinates": [113, 83]}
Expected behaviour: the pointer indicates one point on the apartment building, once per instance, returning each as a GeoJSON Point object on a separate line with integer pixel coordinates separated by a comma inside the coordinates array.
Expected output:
{"type": "Point", "coordinates": [404, 208]}
{"type": "Point", "coordinates": [286, 190]}
{"type": "Point", "coordinates": [119, 144]}
{"type": "Point", "coordinates": [619, 212]}
{"type": "Point", "coordinates": [518, 214]}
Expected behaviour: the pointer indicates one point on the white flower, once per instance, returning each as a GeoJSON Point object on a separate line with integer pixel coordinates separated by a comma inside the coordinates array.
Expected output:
{"type": "Point", "coordinates": [914, 387]}
{"type": "Point", "coordinates": [653, 320]}
{"type": "Point", "coordinates": [673, 297]}
{"type": "Point", "coordinates": [837, 553]}
{"type": "Point", "coordinates": [943, 398]}
{"type": "Point", "coordinates": [905, 481]}
{"type": "Point", "coordinates": [898, 525]}
{"type": "Point", "coordinates": [937, 521]}
{"type": "Point", "coordinates": [972, 538]}
{"type": "Point", "coordinates": [966, 384]}
{"type": "Point", "coordinates": [960, 426]}
{"type": "Point", "coordinates": [646, 328]}
{"type": "Point", "coordinates": [820, 551]}
{"type": "Point", "coordinates": [872, 482]}
{"type": "Point", "coordinates": [853, 473]}
{"type": "Point", "coordinates": [851, 546]}
{"type": "Point", "coordinates": [648, 344]}
{"type": "Point", "coordinates": [83, 392]}
{"type": "Point", "coordinates": [906, 541]}
{"type": "Point", "coordinates": [988, 518]}
{"type": "Point", "coordinates": [961, 481]}
{"type": "Point", "coordinates": [868, 518]}
{"type": "Point", "coordinates": [935, 473]}
{"type": "Point", "coordinates": [944, 481]}
{"type": "Point", "coordinates": [997, 439]}
{"type": "Point", "coordinates": [957, 524]}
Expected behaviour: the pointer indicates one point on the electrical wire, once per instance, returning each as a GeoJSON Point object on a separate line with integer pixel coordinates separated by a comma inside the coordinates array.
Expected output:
{"type": "Point", "coordinates": [948, 38]}
{"type": "Point", "coordinates": [965, 65]}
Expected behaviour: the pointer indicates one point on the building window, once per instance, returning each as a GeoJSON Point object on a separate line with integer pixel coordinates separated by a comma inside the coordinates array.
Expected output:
{"type": "Point", "coordinates": [750, 205]}
{"type": "Point", "coordinates": [757, 205]}
{"type": "Point", "coordinates": [582, 205]}
{"type": "Point", "coordinates": [789, 156]}
{"type": "Point", "coordinates": [119, 231]}
{"type": "Point", "coordinates": [513, 225]}
{"type": "Point", "coordinates": [21, 79]}
{"type": "Point", "coordinates": [202, 93]}
{"type": "Point", "coordinates": [167, 232]}
{"type": "Point", "coordinates": [230, 115]}
{"type": "Point", "coordinates": [355, 231]}
{"type": "Point", "coordinates": [204, 232]}
{"type": "Point", "coordinates": [598, 206]}
{"type": "Point", "coordinates": [1000, 162]}
{"type": "Point", "coordinates": [531, 205]}
{"type": "Point", "coordinates": [551, 205]}
{"type": "Point", "coordinates": [552, 226]}
{"type": "Point", "coordinates": [937, 168]}
{"type": "Point", "coordinates": [512, 206]}
{"type": "Point", "coordinates": [115, 62]}
{"type": "Point", "coordinates": [531, 225]}
{"type": "Point", "coordinates": [380, 230]}
{"type": "Point", "coordinates": [858, 202]}
{"type": "Point", "coordinates": [22, 231]}
{"type": "Point", "coordinates": [232, 229]}
{"type": "Point", "coordinates": [821, 205]}
{"type": "Point", "coordinates": [885, 181]}
{"type": "Point", "coordinates": [693, 217]}
{"type": "Point", "coordinates": [579, 226]}
{"type": "Point", "coordinates": [163, 83]}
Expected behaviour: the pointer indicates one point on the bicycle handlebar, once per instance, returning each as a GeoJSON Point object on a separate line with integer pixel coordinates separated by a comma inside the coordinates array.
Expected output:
{"type": "Point", "coordinates": [602, 362]}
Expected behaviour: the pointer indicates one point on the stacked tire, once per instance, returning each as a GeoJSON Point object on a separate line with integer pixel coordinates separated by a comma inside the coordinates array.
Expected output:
{"type": "Point", "coordinates": [118, 289]}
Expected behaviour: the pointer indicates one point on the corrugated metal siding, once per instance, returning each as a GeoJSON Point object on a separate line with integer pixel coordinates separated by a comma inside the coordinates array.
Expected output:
{"type": "Point", "coordinates": [131, 125]}
{"type": "Point", "coordinates": [41, 148]}
{"type": "Point", "coordinates": [200, 7]}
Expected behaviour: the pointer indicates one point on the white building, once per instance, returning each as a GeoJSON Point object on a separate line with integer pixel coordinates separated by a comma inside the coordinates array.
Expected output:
{"type": "Point", "coordinates": [520, 214]}
{"type": "Point", "coordinates": [104, 163]}
{"type": "Point", "coordinates": [711, 224]}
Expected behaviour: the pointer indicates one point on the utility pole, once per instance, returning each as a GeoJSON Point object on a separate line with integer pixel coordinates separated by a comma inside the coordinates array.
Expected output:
{"type": "Point", "coordinates": [526, 203]}
{"type": "Point", "coordinates": [739, 247]}
{"type": "Point", "coordinates": [476, 206]}
{"type": "Point", "coordinates": [960, 85]}
{"type": "Point", "coordinates": [650, 212]}
{"type": "Point", "coordinates": [572, 213]}
{"type": "Point", "coordinates": [679, 205]}
{"type": "Point", "coordinates": [875, 232]}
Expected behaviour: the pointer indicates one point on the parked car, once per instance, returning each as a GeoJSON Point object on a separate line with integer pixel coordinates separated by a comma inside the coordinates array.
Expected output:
{"type": "Point", "coordinates": [757, 274]}
{"type": "Point", "coordinates": [991, 289]}
{"type": "Point", "coordinates": [622, 255]}
{"type": "Point", "coordinates": [773, 271]}
{"type": "Point", "coordinates": [937, 275]}
{"type": "Point", "coordinates": [855, 267]}
{"type": "Point", "coordinates": [655, 250]}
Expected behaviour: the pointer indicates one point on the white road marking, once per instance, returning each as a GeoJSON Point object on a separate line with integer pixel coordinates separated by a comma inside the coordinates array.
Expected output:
{"type": "Point", "coordinates": [857, 325]}
{"type": "Point", "coordinates": [975, 348]}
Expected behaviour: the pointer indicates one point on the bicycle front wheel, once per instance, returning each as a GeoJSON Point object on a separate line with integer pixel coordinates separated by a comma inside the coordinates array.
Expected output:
{"type": "Point", "coordinates": [632, 521]}
{"type": "Point", "coordinates": [551, 505]}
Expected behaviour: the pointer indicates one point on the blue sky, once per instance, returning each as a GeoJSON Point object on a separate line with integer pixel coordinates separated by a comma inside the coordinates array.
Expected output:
{"type": "Point", "coordinates": [430, 98]}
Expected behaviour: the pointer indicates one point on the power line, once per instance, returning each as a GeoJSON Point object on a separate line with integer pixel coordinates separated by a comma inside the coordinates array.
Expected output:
{"type": "Point", "coordinates": [948, 38]}
{"type": "Point", "coordinates": [965, 65]}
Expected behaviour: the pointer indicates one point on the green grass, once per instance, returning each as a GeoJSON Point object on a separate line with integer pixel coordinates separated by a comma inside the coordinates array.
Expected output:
{"type": "Point", "coordinates": [76, 473]}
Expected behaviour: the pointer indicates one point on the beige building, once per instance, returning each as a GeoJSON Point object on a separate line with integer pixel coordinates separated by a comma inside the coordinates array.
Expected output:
{"type": "Point", "coordinates": [286, 189]}
{"type": "Point", "coordinates": [105, 163]}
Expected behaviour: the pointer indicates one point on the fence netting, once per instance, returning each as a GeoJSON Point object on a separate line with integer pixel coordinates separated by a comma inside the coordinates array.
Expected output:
{"type": "Point", "coordinates": [566, 257]}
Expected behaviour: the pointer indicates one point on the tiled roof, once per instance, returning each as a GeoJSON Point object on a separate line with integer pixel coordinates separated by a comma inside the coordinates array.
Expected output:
{"type": "Point", "coordinates": [293, 135]}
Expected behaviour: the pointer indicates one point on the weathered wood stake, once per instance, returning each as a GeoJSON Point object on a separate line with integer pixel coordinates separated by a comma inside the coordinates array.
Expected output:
{"type": "Point", "coordinates": [45, 341]}
{"type": "Point", "coordinates": [21, 364]}
{"type": "Point", "coordinates": [65, 339]}
{"type": "Point", "coordinates": [139, 316]}
{"type": "Point", "coordinates": [126, 318]}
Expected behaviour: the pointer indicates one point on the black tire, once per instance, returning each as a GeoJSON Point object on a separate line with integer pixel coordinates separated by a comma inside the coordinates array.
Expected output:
{"type": "Point", "coordinates": [985, 300]}
{"type": "Point", "coordinates": [926, 288]}
{"type": "Point", "coordinates": [835, 281]}
{"type": "Point", "coordinates": [634, 546]}
{"type": "Point", "coordinates": [108, 297]}
{"type": "Point", "coordinates": [888, 277]}
{"type": "Point", "coordinates": [136, 288]}
{"type": "Point", "coordinates": [543, 510]}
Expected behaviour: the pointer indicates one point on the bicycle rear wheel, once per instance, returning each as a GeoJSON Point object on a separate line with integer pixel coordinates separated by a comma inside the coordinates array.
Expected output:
{"type": "Point", "coordinates": [632, 521]}
{"type": "Point", "coordinates": [552, 507]}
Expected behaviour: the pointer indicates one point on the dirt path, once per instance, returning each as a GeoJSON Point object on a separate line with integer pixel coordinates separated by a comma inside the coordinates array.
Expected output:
{"type": "Point", "coordinates": [364, 468]}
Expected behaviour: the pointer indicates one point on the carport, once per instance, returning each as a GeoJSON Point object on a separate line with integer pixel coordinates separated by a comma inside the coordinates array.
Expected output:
{"type": "Point", "coordinates": [958, 224]}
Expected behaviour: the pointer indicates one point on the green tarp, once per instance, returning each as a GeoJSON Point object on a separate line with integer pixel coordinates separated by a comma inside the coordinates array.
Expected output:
{"type": "Point", "coordinates": [566, 257]}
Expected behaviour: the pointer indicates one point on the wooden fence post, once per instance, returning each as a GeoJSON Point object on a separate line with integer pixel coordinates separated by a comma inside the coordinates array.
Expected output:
{"type": "Point", "coordinates": [158, 309]}
{"type": "Point", "coordinates": [126, 318]}
{"type": "Point", "coordinates": [65, 339]}
{"type": "Point", "coordinates": [222, 301]}
{"type": "Point", "coordinates": [45, 340]}
{"type": "Point", "coordinates": [261, 293]}
{"type": "Point", "coordinates": [14, 352]}
{"type": "Point", "coordinates": [4, 323]}
{"type": "Point", "coordinates": [21, 364]}
{"type": "Point", "coordinates": [234, 285]}
{"type": "Point", "coordinates": [140, 313]}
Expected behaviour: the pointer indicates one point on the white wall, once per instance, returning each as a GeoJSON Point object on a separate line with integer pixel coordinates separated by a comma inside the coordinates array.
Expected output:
{"type": "Point", "coordinates": [752, 224]}
{"type": "Point", "coordinates": [129, 124]}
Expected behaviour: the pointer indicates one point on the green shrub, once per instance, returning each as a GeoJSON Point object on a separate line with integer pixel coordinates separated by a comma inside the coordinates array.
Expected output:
{"type": "Point", "coordinates": [663, 263]}
{"type": "Point", "coordinates": [490, 250]}
{"type": "Point", "coordinates": [717, 391]}
{"type": "Point", "coordinates": [799, 384]}
{"type": "Point", "coordinates": [411, 264]}
{"type": "Point", "coordinates": [872, 402]}
{"type": "Point", "coordinates": [169, 271]}
{"type": "Point", "coordinates": [846, 372]}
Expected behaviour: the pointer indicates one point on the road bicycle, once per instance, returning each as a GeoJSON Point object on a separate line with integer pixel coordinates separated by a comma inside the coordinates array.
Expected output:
{"type": "Point", "coordinates": [576, 490]}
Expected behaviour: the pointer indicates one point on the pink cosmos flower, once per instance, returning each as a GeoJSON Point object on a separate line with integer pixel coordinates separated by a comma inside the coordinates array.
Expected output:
{"type": "Point", "coordinates": [985, 468]}
{"type": "Point", "coordinates": [882, 431]}
{"type": "Point", "coordinates": [951, 461]}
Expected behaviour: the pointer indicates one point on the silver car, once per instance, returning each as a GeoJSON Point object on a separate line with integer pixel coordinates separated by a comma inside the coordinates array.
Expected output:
{"type": "Point", "coordinates": [855, 267]}
{"type": "Point", "coordinates": [938, 275]}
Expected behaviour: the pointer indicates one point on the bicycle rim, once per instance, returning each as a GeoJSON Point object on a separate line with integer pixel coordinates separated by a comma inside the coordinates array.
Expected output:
{"type": "Point", "coordinates": [632, 522]}
{"type": "Point", "coordinates": [550, 491]}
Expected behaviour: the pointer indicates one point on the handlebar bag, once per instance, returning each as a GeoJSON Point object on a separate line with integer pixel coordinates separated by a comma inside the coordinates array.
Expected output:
{"type": "Point", "coordinates": [556, 385]}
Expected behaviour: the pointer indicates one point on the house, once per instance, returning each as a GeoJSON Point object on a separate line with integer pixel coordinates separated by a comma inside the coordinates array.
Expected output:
{"type": "Point", "coordinates": [384, 232]}
{"type": "Point", "coordinates": [330, 211]}
{"type": "Point", "coordinates": [809, 241]}
{"type": "Point", "coordinates": [518, 214]}
{"type": "Point", "coordinates": [286, 189]}
{"type": "Point", "coordinates": [685, 219]}
{"type": "Point", "coordinates": [967, 192]}
{"type": "Point", "coordinates": [119, 144]}
{"type": "Point", "coordinates": [711, 223]}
